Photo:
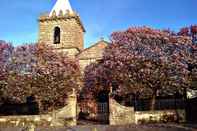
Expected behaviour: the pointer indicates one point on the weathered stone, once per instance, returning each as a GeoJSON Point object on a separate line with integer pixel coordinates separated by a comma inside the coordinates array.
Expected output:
{"type": "Point", "coordinates": [71, 37]}
{"type": "Point", "coordinates": [63, 117]}
{"type": "Point", "coordinates": [160, 116]}
{"type": "Point", "coordinates": [120, 115]}
{"type": "Point", "coordinates": [71, 32]}
{"type": "Point", "coordinates": [68, 114]}
{"type": "Point", "coordinates": [91, 54]}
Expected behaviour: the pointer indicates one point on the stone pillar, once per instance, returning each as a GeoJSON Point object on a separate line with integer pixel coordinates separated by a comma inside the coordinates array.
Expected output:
{"type": "Point", "coordinates": [73, 103]}
{"type": "Point", "coordinates": [120, 115]}
{"type": "Point", "coordinates": [67, 116]}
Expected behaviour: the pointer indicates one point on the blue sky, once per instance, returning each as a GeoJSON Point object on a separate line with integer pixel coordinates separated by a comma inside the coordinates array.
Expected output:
{"type": "Point", "coordinates": [19, 25]}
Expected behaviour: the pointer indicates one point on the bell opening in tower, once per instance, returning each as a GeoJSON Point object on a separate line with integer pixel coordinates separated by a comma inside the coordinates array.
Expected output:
{"type": "Point", "coordinates": [57, 34]}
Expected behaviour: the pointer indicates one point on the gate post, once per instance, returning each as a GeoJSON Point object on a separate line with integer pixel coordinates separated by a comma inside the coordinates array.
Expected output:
{"type": "Point", "coordinates": [120, 115]}
{"type": "Point", "coordinates": [68, 114]}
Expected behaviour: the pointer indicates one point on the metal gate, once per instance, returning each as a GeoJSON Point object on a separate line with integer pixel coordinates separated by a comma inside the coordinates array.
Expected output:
{"type": "Point", "coordinates": [103, 113]}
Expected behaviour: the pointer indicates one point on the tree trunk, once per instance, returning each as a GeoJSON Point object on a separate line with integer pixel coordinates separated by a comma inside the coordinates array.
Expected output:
{"type": "Point", "coordinates": [153, 101]}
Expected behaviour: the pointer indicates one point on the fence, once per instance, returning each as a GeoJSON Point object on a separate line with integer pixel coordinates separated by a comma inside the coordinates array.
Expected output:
{"type": "Point", "coordinates": [161, 104]}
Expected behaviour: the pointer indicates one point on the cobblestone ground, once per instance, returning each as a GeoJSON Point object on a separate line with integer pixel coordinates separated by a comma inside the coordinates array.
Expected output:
{"type": "Point", "coordinates": [114, 128]}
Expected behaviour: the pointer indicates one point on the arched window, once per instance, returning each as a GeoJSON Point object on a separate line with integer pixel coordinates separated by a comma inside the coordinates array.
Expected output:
{"type": "Point", "coordinates": [57, 34]}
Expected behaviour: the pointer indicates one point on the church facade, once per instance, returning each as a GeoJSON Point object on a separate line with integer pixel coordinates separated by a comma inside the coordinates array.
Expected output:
{"type": "Point", "coordinates": [63, 29]}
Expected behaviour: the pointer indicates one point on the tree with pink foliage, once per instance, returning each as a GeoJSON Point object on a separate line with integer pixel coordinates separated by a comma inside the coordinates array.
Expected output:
{"type": "Point", "coordinates": [141, 60]}
{"type": "Point", "coordinates": [189, 31]}
{"type": "Point", "coordinates": [5, 53]}
{"type": "Point", "coordinates": [38, 70]}
{"type": "Point", "coordinates": [192, 32]}
{"type": "Point", "coordinates": [56, 75]}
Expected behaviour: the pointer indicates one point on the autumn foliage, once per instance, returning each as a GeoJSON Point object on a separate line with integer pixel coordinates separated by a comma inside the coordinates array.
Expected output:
{"type": "Point", "coordinates": [143, 60]}
{"type": "Point", "coordinates": [37, 70]}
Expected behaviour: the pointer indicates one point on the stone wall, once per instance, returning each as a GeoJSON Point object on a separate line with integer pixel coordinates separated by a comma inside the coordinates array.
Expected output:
{"type": "Point", "coordinates": [91, 54]}
{"type": "Point", "coordinates": [70, 52]}
{"type": "Point", "coordinates": [95, 51]}
{"type": "Point", "coordinates": [120, 115]}
{"type": "Point", "coordinates": [71, 30]}
{"type": "Point", "coordinates": [85, 62]}
{"type": "Point", "coordinates": [66, 116]}
{"type": "Point", "coordinates": [165, 116]}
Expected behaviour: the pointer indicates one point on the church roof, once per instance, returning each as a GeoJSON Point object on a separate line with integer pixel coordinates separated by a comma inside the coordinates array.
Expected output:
{"type": "Point", "coordinates": [61, 5]}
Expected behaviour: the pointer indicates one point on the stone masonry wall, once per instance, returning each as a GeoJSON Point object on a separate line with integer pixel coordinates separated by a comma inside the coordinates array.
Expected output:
{"type": "Point", "coordinates": [91, 54]}
{"type": "Point", "coordinates": [66, 116]}
{"type": "Point", "coordinates": [84, 63]}
{"type": "Point", "coordinates": [142, 117]}
{"type": "Point", "coordinates": [95, 51]}
{"type": "Point", "coordinates": [70, 52]}
{"type": "Point", "coordinates": [71, 32]}
{"type": "Point", "coordinates": [120, 115]}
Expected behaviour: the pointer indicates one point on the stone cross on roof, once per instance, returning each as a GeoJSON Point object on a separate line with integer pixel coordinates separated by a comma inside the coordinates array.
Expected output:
{"type": "Point", "coordinates": [61, 5]}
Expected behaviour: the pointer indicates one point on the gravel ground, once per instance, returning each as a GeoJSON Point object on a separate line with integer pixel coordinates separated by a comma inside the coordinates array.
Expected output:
{"type": "Point", "coordinates": [114, 128]}
{"type": "Point", "coordinates": [125, 128]}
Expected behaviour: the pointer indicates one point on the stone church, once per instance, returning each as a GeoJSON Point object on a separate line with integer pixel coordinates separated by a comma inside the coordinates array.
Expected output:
{"type": "Point", "coordinates": [63, 29]}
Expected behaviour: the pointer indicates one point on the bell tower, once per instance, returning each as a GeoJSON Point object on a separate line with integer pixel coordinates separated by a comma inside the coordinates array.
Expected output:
{"type": "Point", "coordinates": [62, 29]}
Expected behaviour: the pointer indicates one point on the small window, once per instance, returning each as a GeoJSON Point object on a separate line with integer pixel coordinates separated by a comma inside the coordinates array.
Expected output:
{"type": "Point", "coordinates": [57, 33]}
